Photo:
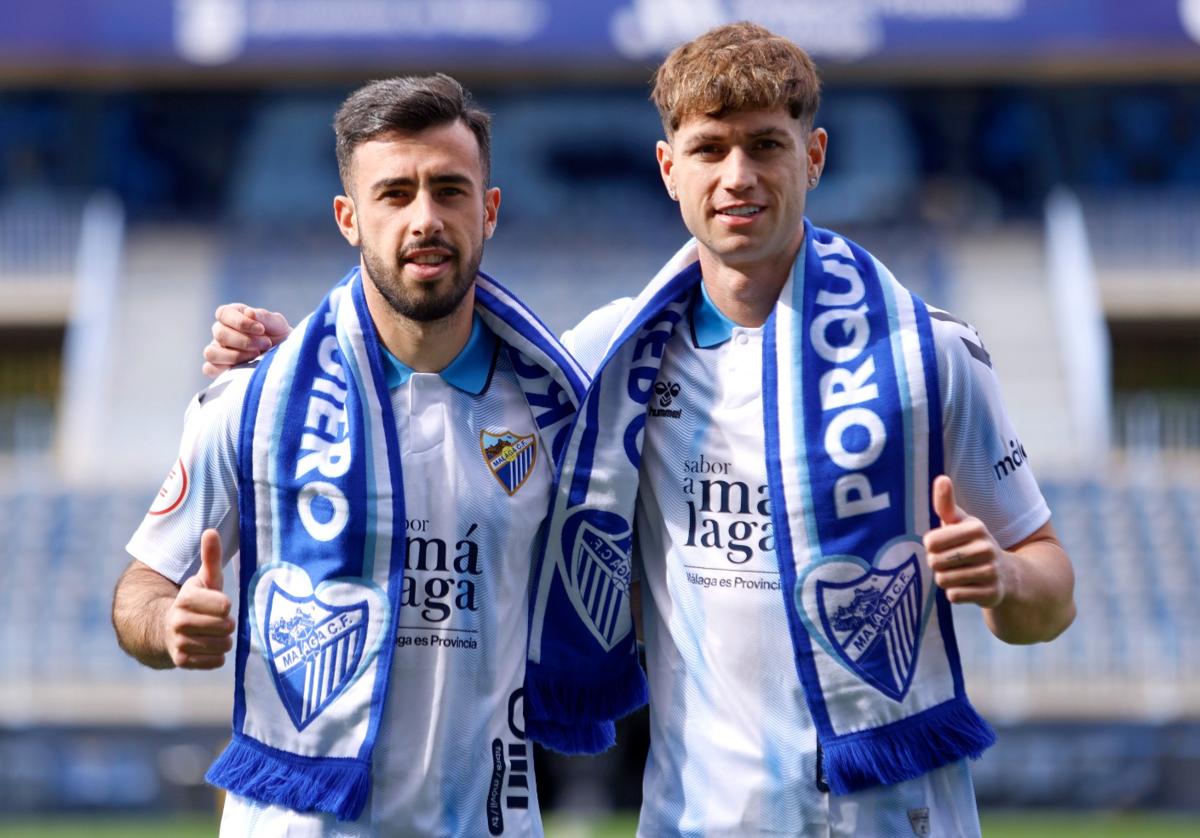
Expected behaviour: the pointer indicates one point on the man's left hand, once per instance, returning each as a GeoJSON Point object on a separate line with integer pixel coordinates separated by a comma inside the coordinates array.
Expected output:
{"type": "Point", "coordinates": [966, 561]}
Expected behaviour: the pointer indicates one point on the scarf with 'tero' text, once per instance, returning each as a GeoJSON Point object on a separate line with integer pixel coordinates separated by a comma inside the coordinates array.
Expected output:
{"type": "Point", "coordinates": [321, 500]}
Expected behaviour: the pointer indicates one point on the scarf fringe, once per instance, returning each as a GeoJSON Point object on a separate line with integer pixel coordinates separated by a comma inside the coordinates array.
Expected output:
{"type": "Point", "coordinates": [571, 701]}
{"type": "Point", "coordinates": [304, 784]}
{"type": "Point", "coordinates": [908, 748]}
{"type": "Point", "coordinates": [586, 738]}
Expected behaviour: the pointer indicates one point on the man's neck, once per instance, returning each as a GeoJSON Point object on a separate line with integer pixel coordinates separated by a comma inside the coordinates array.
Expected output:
{"type": "Point", "coordinates": [745, 294]}
{"type": "Point", "coordinates": [422, 346]}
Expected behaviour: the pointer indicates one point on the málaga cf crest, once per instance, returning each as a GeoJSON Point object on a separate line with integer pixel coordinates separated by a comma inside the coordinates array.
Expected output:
{"type": "Point", "coordinates": [314, 648]}
{"type": "Point", "coordinates": [874, 623]}
{"type": "Point", "coordinates": [598, 548]}
{"type": "Point", "coordinates": [510, 457]}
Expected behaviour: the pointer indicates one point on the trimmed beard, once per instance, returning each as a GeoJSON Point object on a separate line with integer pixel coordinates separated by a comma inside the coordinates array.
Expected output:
{"type": "Point", "coordinates": [423, 308]}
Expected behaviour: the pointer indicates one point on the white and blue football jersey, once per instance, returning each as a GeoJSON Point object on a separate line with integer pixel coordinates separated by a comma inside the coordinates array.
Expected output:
{"type": "Point", "coordinates": [451, 758]}
{"type": "Point", "coordinates": [733, 748]}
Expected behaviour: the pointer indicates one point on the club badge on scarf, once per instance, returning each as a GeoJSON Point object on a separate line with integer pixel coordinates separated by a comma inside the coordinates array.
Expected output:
{"type": "Point", "coordinates": [316, 642]}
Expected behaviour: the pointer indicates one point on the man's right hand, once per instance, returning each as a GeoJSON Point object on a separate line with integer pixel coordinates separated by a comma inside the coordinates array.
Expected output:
{"type": "Point", "coordinates": [241, 334]}
{"type": "Point", "coordinates": [197, 627]}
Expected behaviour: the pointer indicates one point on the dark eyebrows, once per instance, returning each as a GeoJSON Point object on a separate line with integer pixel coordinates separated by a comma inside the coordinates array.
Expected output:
{"type": "Point", "coordinates": [701, 139]}
{"type": "Point", "coordinates": [769, 131]}
{"type": "Point", "coordinates": [448, 179]}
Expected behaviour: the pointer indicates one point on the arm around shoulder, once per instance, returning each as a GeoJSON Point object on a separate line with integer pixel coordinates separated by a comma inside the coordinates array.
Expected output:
{"type": "Point", "coordinates": [589, 338]}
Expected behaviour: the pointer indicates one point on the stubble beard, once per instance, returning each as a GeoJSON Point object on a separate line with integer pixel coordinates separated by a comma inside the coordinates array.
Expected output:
{"type": "Point", "coordinates": [421, 307]}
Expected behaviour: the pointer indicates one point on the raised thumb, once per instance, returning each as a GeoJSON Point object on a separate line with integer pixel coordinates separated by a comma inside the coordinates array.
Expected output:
{"type": "Point", "coordinates": [943, 501]}
{"type": "Point", "coordinates": [211, 575]}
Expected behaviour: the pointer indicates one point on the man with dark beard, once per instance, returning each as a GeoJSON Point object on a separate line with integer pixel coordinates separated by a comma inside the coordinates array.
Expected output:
{"type": "Point", "coordinates": [384, 472]}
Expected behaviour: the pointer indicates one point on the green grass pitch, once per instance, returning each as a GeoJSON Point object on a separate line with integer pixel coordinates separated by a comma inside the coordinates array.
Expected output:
{"type": "Point", "coordinates": [995, 825]}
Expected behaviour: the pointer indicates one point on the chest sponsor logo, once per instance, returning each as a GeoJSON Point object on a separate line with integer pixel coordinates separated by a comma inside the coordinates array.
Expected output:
{"type": "Point", "coordinates": [509, 457]}
{"type": "Point", "coordinates": [173, 492]}
{"type": "Point", "coordinates": [314, 649]}
{"type": "Point", "coordinates": [440, 590]}
{"type": "Point", "coordinates": [1011, 461]}
{"type": "Point", "coordinates": [873, 622]}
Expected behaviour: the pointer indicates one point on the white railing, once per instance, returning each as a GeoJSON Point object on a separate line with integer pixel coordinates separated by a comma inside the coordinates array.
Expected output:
{"type": "Point", "coordinates": [87, 348]}
{"type": "Point", "coordinates": [1082, 330]}
{"type": "Point", "coordinates": [1152, 422]}
{"type": "Point", "coordinates": [1147, 228]}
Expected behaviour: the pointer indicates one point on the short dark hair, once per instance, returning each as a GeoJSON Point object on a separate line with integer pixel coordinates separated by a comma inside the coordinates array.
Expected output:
{"type": "Point", "coordinates": [736, 67]}
{"type": "Point", "coordinates": [409, 104]}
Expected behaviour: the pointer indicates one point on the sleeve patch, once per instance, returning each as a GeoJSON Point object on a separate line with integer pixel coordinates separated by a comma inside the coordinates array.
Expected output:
{"type": "Point", "coordinates": [174, 489]}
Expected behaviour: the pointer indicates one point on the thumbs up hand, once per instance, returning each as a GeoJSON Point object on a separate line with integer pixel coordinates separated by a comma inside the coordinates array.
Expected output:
{"type": "Point", "coordinates": [199, 630]}
{"type": "Point", "coordinates": [966, 561]}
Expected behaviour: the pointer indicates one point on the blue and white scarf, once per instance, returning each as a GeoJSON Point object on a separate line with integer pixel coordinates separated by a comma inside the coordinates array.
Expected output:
{"type": "Point", "coordinates": [853, 438]}
{"type": "Point", "coordinates": [321, 500]}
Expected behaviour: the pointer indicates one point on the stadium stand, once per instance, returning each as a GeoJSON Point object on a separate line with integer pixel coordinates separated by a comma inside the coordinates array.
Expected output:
{"type": "Point", "coordinates": [221, 192]}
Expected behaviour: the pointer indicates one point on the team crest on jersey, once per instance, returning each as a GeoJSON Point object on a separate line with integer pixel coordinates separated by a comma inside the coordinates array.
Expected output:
{"type": "Point", "coordinates": [599, 543]}
{"type": "Point", "coordinates": [874, 624]}
{"type": "Point", "coordinates": [509, 457]}
{"type": "Point", "coordinates": [314, 649]}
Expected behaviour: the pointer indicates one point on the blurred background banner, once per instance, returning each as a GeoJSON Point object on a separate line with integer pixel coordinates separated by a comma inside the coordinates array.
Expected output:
{"type": "Point", "coordinates": [1033, 167]}
{"type": "Point", "coordinates": [560, 34]}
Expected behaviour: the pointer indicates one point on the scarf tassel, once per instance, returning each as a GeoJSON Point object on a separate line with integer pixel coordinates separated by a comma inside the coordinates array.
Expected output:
{"type": "Point", "coordinates": [305, 784]}
{"type": "Point", "coordinates": [908, 748]}
{"type": "Point", "coordinates": [572, 739]}
{"type": "Point", "coordinates": [581, 710]}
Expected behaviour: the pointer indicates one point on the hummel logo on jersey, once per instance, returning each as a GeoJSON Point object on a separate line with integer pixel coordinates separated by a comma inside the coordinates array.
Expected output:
{"type": "Point", "coordinates": [666, 392]}
{"type": "Point", "coordinates": [977, 350]}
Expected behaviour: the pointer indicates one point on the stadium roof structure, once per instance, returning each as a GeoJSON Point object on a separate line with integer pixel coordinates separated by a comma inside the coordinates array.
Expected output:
{"type": "Point", "coordinates": [929, 39]}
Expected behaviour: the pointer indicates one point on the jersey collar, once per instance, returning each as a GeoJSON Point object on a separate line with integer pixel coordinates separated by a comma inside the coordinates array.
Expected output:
{"type": "Point", "coordinates": [470, 369]}
{"type": "Point", "coordinates": [709, 326]}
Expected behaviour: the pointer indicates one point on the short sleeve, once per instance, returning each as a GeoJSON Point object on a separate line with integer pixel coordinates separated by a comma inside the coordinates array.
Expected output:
{"type": "Point", "coordinates": [201, 487]}
{"type": "Point", "coordinates": [990, 467]}
{"type": "Point", "coordinates": [588, 340]}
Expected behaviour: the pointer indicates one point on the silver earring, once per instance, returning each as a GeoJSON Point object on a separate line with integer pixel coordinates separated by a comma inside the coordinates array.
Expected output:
{"type": "Point", "coordinates": [812, 182]}
{"type": "Point", "coordinates": [671, 192]}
